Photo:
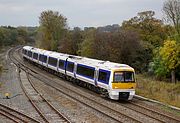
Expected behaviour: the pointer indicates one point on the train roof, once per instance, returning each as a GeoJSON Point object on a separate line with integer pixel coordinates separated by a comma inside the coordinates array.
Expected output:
{"type": "Point", "coordinates": [82, 60]}
{"type": "Point", "coordinates": [99, 63]}
{"type": "Point", "coordinates": [27, 47]}
{"type": "Point", "coordinates": [104, 64]}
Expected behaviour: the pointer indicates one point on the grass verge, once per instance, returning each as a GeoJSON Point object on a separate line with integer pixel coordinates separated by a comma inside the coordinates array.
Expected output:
{"type": "Point", "coordinates": [168, 93]}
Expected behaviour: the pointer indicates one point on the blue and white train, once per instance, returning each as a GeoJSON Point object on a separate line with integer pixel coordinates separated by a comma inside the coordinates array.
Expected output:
{"type": "Point", "coordinates": [117, 81]}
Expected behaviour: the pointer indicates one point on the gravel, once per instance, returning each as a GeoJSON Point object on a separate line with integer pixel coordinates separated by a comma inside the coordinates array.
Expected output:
{"type": "Point", "coordinates": [74, 110]}
{"type": "Point", "coordinates": [10, 84]}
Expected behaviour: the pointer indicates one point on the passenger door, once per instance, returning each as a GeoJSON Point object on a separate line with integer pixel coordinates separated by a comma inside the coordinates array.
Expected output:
{"type": "Point", "coordinates": [96, 74]}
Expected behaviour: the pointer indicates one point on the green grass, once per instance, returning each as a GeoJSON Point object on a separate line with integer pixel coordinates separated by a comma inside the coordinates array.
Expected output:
{"type": "Point", "coordinates": [168, 93]}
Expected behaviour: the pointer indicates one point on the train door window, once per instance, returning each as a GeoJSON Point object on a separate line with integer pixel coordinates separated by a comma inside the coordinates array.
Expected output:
{"type": "Point", "coordinates": [85, 71]}
{"type": "Point", "coordinates": [42, 58]}
{"type": "Point", "coordinates": [104, 76]}
{"type": "Point", "coordinates": [70, 66]}
{"type": "Point", "coordinates": [52, 61]}
{"type": "Point", "coordinates": [61, 64]}
{"type": "Point", "coordinates": [35, 56]}
{"type": "Point", "coordinates": [29, 53]}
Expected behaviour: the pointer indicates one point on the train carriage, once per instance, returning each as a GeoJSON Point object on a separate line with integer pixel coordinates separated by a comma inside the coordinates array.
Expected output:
{"type": "Point", "coordinates": [35, 54]}
{"type": "Point", "coordinates": [116, 80]}
{"type": "Point", "coordinates": [26, 52]}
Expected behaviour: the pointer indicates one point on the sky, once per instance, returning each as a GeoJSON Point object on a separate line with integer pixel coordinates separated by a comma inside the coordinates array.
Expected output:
{"type": "Point", "coordinates": [81, 13]}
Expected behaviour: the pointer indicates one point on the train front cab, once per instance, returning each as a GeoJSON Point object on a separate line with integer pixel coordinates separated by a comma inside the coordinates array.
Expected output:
{"type": "Point", "coordinates": [123, 85]}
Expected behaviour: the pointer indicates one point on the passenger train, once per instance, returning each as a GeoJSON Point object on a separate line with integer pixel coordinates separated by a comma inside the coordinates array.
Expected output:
{"type": "Point", "coordinates": [116, 81]}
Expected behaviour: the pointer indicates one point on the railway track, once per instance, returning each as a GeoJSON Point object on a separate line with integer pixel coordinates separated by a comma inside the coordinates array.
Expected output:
{"type": "Point", "coordinates": [164, 117]}
{"type": "Point", "coordinates": [152, 113]}
{"type": "Point", "coordinates": [118, 115]}
{"type": "Point", "coordinates": [112, 116]}
{"type": "Point", "coordinates": [157, 116]}
{"type": "Point", "coordinates": [48, 112]}
{"type": "Point", "coordinates": [45, 109]}
{"type": "Point", "coordinates": [91, 103]}
{"type": "Point", "coordinates": [15, 115]}
{"type": "Point", "coordinates": [148, 112]}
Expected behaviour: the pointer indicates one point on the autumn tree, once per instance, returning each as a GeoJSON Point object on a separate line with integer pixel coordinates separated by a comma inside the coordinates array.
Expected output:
{"type": "Point", "coordinates": [77, 38]}
{"type": "Point", "coordinates": [122, 47]}
{"type": "Point", "coordinates": [152, 33]}
{"type": "Point", "coordinates": [52, 26]}
{"type": "Point", "coordinates": [66, 44]}
{"type": "Point", "coordinates": [86, 47]}
{"type": "Point", "coordinates": [171, 8]}
{"type": "Point", "coordinates": [158, 67]}
{"type": "Point", "coordinates": [13, 36]}
{"type": "Point", "coordinates": [150, 28]}
{"type": "Point", "coordinates": [168, 59]}
{"type": "Point", "coordinates": [71, 41]}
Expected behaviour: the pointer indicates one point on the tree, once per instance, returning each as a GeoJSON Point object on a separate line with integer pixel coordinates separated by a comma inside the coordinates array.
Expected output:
{"type": "Point", "coordinates": [118, 46]}
{"type": "Point", "coordinates": [121, 47]}
{"type": "Point", "coordinates": [157, 66]}
{"type": "Point", "coordinates": [66, 44]}
{"type": "Point", "coordinates": [77, 38]}
{"type": "Point", "coordinates": [52, 26]}
{"type": "Point", "coordinates": [170, 54]}
{"type": "Point", "coordinates": [152, 33]}
{"type": "Point", "coordinates": [150, 29]}
{"type": "Point", "coordinates": [86, 47]}
{"type": "Point", "coordinates": [171, 9]}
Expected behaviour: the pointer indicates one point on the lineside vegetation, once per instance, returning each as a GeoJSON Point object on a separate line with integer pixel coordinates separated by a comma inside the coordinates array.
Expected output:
{"type": "Point", "coordinates": [144, 42]}
{"type": "Point", "coordinates": [168, 93]}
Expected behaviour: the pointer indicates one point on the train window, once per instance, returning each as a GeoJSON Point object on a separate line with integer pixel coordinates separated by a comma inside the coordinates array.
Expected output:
{"type": "Point", "coordinates": [29, 53]}
{"type": "Point", "coordinates": [35, 56]}
{"type": "Point", "coordinates": [42, 58]}
{"type": "Point", "coordinates": [70, 66]}
{"type": "Point", "coordinates": [85, 71]}
{"type": "Point", "coordinates": [119, 77]}
{"type": "Point", "coordinates": [129, 76]}
{"type": "Point", "coordinates": [61, 64]}
{"type": "Point", "coordinates": [124, 76]}
{"type": "Point", "coordinates": [52, 61]}
{"type": "Point", "coordinates": [104, 76]}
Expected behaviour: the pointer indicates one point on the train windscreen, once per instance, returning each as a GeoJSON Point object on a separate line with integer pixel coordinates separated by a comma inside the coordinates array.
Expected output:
{"type": "Point", "coordinates": [124, 76]}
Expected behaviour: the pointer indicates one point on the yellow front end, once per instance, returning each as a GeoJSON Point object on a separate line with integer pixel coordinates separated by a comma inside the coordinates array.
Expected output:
{"type": "Point", "coordinates": [123, 85]}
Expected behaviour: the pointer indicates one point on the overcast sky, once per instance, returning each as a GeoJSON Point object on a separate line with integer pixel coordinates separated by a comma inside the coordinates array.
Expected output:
{"type": "Point", "coordinates": [80, 13]}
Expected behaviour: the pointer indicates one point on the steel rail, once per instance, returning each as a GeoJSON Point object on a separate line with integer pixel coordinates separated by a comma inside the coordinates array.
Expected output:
{"type": "Point", "coordinates": [17, 63]}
